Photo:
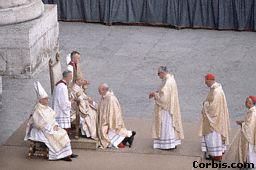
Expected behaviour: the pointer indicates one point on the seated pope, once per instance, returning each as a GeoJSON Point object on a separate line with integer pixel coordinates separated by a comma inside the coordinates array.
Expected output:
{"type": "Point", "coordinates": [42, 127]}
{"type": "Point", "coordinates": [111, 129]}
{"type": "Point", "coordinates": [86, 108]}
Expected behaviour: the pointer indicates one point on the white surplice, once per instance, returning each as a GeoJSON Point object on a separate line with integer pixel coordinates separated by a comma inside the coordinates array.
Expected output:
{"type": "Point", "coordinates": [212, 144]}
{"type": "Point", "coordinates": [70, 68]}
{"type": "Point", "coordinates": [115, 138]}
{"type": "Point", "coordinates": [62, 105]}
{"type": "Point", "coordinates": [252, 154]}
{"type": "Point", "coordinates": [168, 139]}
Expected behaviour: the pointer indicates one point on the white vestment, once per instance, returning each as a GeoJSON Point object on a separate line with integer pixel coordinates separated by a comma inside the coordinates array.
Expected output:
{"type": "Point", "coordinates": [62, 105]}
{"type": "Point", "coordinates": [243, 146]}
{"type": "Point", "coordinates": [40, 128]}
{"type": "Point", "coordinates": [168, 139]}
{"type": "Point", "coordinates": [70, 68]}
{"type": "Point", "coordinates": [111, 128]}
{"type": "Point", "coordinates": [252, 154]}
{"type": "Point", "coordinates": [115, 138]}
{"type": "Point", "coordinates": [88, 114]}
{"type": "Point", "coordinates": [167, 125]}
{"type": "Point", "coordinates": [212, 144]}
{"type": "Point", "coordinates": [215, 122]}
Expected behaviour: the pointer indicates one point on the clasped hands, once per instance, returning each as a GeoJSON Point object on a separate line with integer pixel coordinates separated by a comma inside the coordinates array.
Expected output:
{"type": "Point", "coordinates": [90, 100]}
{"type": "Point", "coordinates": [152, 94]}
{"type": "Point", "coordinates": [239, 122]}
{"type": "Point", "coordinates": [56, 128]}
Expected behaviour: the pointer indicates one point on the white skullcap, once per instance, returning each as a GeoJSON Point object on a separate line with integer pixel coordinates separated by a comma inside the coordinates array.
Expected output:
{"type": "Point", "coordinates": [41, 93]}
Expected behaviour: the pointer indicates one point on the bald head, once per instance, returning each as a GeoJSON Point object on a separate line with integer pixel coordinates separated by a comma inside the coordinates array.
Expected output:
{"type": "Point", "coordinates": [103, 89]}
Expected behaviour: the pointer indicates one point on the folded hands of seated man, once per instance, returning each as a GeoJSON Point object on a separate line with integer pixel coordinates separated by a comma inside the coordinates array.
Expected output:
{"type": "Point", "coordinates": [239, 122]}
{"type": "Point", "coordinates": [151, 95]}
{"type": "Point", "coordinates": [56, 128]}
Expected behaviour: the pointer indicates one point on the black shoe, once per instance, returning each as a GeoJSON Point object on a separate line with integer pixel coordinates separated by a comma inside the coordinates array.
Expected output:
{"type": "Point", "coordinates": [83, 136]}
{"type": "Point", "coordinates": [130, 139]}
{"type": "Point", "coordinates": [73, 156]}
{"type": "Point", "coordinates": [207, 157]}
{"type": "Point", "coordinates": [124, 142]}
{"type": "Point", "coordinates": [68, 158]}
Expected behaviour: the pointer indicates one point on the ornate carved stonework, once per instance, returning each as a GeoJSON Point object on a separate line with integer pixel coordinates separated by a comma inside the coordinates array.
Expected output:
{"type": "Point", "coordinates": [28, 36]}
{"type": "Point", "coordinates": [16, 11]}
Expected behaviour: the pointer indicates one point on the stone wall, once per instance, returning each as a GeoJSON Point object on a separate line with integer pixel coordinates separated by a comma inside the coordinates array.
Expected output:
{"type": "Point", "coordinates": [17, 11]}
{"type": "Point", "coordinates": [25, 46]}
{"type": "Point", "coordinates": [1, 92]}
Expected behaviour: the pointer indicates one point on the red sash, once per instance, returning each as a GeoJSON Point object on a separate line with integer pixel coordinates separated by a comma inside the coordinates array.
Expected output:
{"type": "Point", "coordinates": [72, 63]}
{"type": "Point", "coordinates": [61, 81]}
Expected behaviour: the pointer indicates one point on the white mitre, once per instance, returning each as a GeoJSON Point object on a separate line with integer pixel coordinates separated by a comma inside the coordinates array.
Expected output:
{"type": "Point", "coordinates": [41, 93]}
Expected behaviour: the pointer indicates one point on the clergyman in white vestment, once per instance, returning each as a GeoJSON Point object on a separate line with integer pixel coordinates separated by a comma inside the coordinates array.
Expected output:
{"type": "Point", "coordinates": [167, 126]}
{"type": "Point", "coordinates": [61, 102]}
{"type": "Point", "coordinates": [87, 109]}
{"type": "Point", "coordinates": [214, 121]}
{"type": "Point", "coordinates": [247, 148]}
{"type": "Point", "coordinates": [111, 129]}
{"type": "Point", "coordinates": [243, 147]}
{"type": "Point", "coordinates": [42, 127]}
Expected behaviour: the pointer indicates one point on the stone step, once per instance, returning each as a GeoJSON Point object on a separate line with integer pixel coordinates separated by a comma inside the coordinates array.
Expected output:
{"type": "Point", "coordinates": [83, 143]}
{"type": "Point", "coordinates": [17, 139]}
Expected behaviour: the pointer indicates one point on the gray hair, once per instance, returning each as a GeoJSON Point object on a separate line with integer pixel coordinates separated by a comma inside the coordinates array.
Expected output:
{"type": "Point", "coordinates": [65, 73]}
{"type": "Point", "coordinates": [162, 69]}
{"type": "Point", "coordinates": [105, 85]}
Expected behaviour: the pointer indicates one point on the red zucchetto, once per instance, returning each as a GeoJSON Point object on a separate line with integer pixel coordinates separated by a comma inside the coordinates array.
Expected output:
{"type": "Point", "coordinates": [253, 98]}
{"type": "Point", "coordinates": [210, 77]}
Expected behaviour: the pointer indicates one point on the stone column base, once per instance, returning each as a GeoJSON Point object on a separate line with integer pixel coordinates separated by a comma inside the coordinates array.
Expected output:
{"type": "Point", "coordinates": [1, 92]}
{"type": "Point", "coordinates": [29, 10]}
{"type": "Point", "coordinates": [26, 46]}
